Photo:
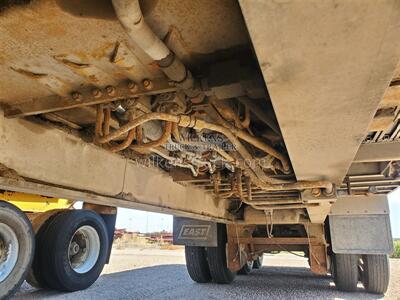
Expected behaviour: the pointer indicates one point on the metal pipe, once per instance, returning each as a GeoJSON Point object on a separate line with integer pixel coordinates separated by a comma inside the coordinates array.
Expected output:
{"type": "Point", "coordinates": [131, 18]}
{"type": "Point", "coordinates": [175, 132]}
{"type": "Point", "coordinates": [256, 142]}
{"type": "Point", "coordinates": [257, 174]}
{"type": "Point", "coordinates": [187, 121]}
{"type": "Point", "coordinates": [107, 119]}
{"type": "Point", "coordinates": [139, 135]}
{"type": "Point", "coordinates": [126, 143]}
{"type": "Point", "coordinates": [154, 144]}
{"type": "Point", "coordinates": [224, 155]}
{"type": "Point", "coordinates": [227, 113]}
{"type": "Point", "coordinates": [224, 111]}
{"type": "Point", "coordinates": [103, 120]}
{"type": "Point", "coordinates": [176, 161]}
{"type": "Point", "coordinates": [277, 201]}
{"type": "Point", "coordinates": [246, 121]}
{"type": "Point", "coordinates": [260, 113]}
{"type": "Point", "coordinates": [99, 122]}
{"type": "Point", "coordinates": [289, 206]}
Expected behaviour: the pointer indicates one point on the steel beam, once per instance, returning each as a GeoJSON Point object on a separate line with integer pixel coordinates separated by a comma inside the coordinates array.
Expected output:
{"type": "Point", "coordinates": [378, 152]}
{"type": "Point", "coordinates": [326, 66]}
{"type": "Point", "coordinates": [93, 198]}
{"type": "Point", "coordinates": [275, 241]}
{"type": "Point", "coordinates": [67, 167]}
{"type": "Point", "coordinates": [88, 96]}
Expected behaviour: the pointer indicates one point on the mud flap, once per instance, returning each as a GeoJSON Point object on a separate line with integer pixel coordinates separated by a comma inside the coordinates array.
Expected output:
{"type": "Point", "coordinates": [361, 225]}
{"type": "Point", "coordinates": [191, 232]}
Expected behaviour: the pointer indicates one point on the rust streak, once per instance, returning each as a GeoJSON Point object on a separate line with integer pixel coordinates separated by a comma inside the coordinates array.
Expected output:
{"type": "Point", "coordinates": [29, 74]}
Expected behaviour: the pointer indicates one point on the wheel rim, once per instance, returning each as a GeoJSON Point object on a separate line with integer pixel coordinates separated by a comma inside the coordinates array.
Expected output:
{"type": "Point", "coordinates": [9, 248]}
{"type": "Point", "coordinates": [84, 249]}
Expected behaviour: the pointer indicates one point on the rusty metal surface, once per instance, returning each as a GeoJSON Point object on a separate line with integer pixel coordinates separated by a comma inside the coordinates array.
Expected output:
{"type": "Point", "coordinates": [73, 169]}
{"type": "Point", "coordinates": [54, 46]}
{"type": "Point", "coordinates": [276, 241]}
{"type": "Point", "coordinates": [195, 29]}
{"type": "Point", "coordinates": [243, 246]}
{"type": "Point", "coordinates": [71, 55]}
{"type": "Point", "coordinates": [87, 97]}
{"type": "Point", "coordinates": [317, 248]}
{"type": "Point", "coordinates": [34, 55]}
{"type": "Point", "coordinates": [101, 209]}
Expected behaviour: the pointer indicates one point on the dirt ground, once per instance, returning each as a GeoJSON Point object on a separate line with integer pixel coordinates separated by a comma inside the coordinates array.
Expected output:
{"type": "Point", "coordinates": [141, 273]}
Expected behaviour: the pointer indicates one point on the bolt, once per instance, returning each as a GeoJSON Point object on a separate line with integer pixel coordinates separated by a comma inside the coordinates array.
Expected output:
{"type": "Point", "coordinates": [76, 96]}
{"type": "Point", "coordinates": [132, 86]}
{"type": "Point", "coordinates": [316, 192]}
{"type": "Point", "coordinates": [148, 85]}
{"type": "Point", "coordinates": [328, 193]}
{"type": "Point", "coordinates": [110, 90]}
{"type": "Point", "coordinates": [74, 248]}
{"type": "Point", "coordinates": [96, 93]}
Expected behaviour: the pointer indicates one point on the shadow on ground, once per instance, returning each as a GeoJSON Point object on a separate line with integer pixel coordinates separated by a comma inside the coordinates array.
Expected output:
{"type": "Point", "coordinates": [173, 282]}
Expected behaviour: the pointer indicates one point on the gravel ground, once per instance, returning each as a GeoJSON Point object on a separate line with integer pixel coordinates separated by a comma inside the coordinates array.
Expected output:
{"type": "Point", "coordinates": [161, 274]}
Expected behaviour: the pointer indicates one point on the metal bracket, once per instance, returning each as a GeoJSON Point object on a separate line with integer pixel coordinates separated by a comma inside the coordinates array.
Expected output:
{"type": "Point", "coordinates": [318, 196]}
{"type": "Point", "coordinates": [89, 96]}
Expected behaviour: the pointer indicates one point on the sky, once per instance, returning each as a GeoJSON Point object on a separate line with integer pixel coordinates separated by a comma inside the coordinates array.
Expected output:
{"type": "Point", "coordinates": [142, 221]}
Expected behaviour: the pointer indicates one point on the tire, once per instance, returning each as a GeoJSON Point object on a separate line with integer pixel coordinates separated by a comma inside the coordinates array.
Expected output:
{"type": "Point", "coordinates": [246, 269]}
{"type": "Point", "coordinates": [16, 229]}
{"type": "Point", "coordinates": [40, 226]}
{"type": "Point", "coordinates": [83, 233]}
{"type": "Point", "coordinates": [257, 264]}
{"type": "Point", "coordinates": [345, 272]}
{"type": "Point", "coordinates": [216, 257]}
{"type": "Point", "coordinates": [196, 264]}
{"type": "Point", "coordinates": [374, 273]}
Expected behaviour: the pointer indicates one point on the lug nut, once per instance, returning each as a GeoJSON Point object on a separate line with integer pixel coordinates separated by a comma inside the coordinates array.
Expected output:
{"type": "Point", "coordinates": [76, 96]}
{"type": "Point", "coordinates": [96, 93]}
{"type": "Point", "coordinates": [147, 84]}
{"type": "Point", "coordinates": [132, 86]}
{"type": "Point", "coordinates": [110, 90]}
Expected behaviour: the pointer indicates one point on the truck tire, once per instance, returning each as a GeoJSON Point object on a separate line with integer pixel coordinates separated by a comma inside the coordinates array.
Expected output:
{"type": "Point", "coordinates": [374, 273]}
{"type": "Point", "coordinates": [74, 250]}
{"type": "Point", "coordinates": [16, 236]}
{"type": "Point", "coordinates": [246, 269]}
{"type": "Point", "coordinates": [216, 257]}
{"type": "Point", "coordinates": [345, 272]}
{"type": "Point", "coordinates": [257, 264]}
{"type": "Point", "coordinates": [40, 226]}
{"type": "Point", "coordinates": [196, 264]}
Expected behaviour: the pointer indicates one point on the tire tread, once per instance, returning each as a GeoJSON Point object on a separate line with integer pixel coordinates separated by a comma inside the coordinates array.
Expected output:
{"type": "Point", "coordinates": [216, 257]}
{"type": "Point", "coordinates": [346, 272]}
{"type": "Point", "coordinates": [196, 264]}
{"type": "Point", "coordinates": [377, 273]}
